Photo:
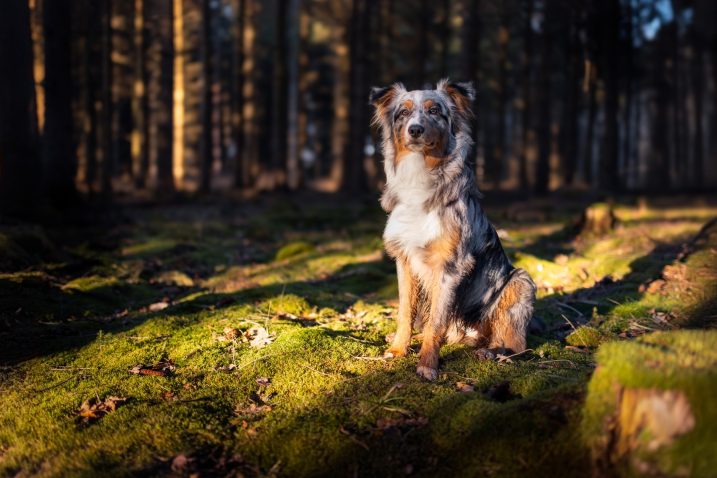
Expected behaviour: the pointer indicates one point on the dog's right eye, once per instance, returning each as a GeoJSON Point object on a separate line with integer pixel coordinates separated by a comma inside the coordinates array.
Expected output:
{"type": "Point", "coordinates": [404, 113]}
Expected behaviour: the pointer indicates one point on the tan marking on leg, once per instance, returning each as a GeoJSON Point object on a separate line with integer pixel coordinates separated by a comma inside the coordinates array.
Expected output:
{"type": "Point", "coordinates": [434, 333]}
{"type": "Point", "coordinates": [407, 291]}
{"type": "Point", "coordinates": [504, 334]}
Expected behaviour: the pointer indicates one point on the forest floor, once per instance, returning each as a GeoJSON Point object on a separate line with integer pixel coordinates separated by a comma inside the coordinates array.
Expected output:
{"type": "Point", "coordinates": [230, 340]}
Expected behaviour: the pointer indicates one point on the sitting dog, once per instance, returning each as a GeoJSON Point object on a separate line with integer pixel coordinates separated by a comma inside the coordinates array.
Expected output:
{"type": "Point", "coordinates": [455, 282]}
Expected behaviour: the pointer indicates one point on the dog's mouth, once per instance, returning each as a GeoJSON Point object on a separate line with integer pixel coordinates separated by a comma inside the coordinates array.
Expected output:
{"type": "Point", "coordinates": [419, 145]}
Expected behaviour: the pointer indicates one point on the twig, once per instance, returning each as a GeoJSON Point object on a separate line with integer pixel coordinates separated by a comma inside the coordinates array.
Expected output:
{"type": "Point", "coordinates": [563, 304]}
{"type": "Point", "coordinates": [353, 438]}
{"type": "Point", "coordinates": [378, 359]}
{"type": "Point", "coordinates": [568, 321]}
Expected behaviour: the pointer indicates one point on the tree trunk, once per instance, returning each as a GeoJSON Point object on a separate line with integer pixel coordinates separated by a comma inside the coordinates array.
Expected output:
{"type": "Point", "coordinates": [20, 169]}
{"type": "Point", "coordinates": [542, 174]}
{"type": "Point", "coordinates": [140, 102]}
{"type": "Point", "coordinates": [470, 61]}
{"type": "Point", "coordinates": [60, 162]}
{"type": "Point", "coordinates": [165, 101]}
{"type": "Point", "coordinates": [278, 167]}
{"type": "Point", "coordinates": [107, 117]}
{"type": "Point", "coordinates": [499, 157]}
{"type": "Point", "coordinates": [610, 20]}
{"type": "Point", "coordinates": [179, 86]}
{"type": "Point", "coordinates": [569, 126]}
{"type": "Point", "coordinates": [354, 179]}
{"type": "Point", "coordinates": [237, 92]}
{"type": "Point", "coordinates": [206, 147]}
{"type": "Point", "coordinates": [293, 170]}
{"type": "Point", "coordinates": [697, 75]}
{"type": "Point", "coordinates": [527, 129]}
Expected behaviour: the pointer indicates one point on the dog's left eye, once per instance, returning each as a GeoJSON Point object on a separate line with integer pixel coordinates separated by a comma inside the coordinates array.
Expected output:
{"type": "Point", "coordinates": [433, 110]}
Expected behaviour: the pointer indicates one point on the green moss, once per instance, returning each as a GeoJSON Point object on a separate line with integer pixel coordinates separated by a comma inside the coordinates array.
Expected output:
{"type": "Point", "coordinates": [88, 284]}
{"type": "Point", "coordinates": [293, 249]}
{"type": "Point", "coordinates": [324, 393]}
{"type": "Point", "coordinates": [683, 362]}
{"type": "Point", "coordinates": [286, 303]}
{"type": "Point", "coordinates": [586, 336]}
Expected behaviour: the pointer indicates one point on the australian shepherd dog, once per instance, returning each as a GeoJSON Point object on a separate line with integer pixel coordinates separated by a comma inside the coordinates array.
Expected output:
{"type": "Point", "coordinates": [455, 283]}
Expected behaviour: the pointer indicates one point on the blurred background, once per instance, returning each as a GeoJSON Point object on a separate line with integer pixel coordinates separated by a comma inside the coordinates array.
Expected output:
{"type": "Point", "coordinates": [153, 97]}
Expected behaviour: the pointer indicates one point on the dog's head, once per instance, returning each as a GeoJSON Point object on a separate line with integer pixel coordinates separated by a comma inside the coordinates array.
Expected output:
{"type": "Point", "coordinates": [425, 121]}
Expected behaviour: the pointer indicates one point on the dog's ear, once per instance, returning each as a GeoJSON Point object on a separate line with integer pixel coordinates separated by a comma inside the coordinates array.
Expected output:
{"type": "Point", "coordinates": [381, 99]}
{"type": "Point", "coordinates": [462, 95]}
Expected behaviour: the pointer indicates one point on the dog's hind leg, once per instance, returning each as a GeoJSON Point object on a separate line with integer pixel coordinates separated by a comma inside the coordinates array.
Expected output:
{"type": "Point", "coordinates": [512, 313]}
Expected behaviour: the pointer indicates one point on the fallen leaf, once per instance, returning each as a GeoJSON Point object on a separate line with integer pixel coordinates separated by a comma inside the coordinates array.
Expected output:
{"type": "Point", "coordinates": [258, 337]}
{"type": "Point", "coordinates": [230, 333]}
{"type": "Point", "coordinates": [159, 369]}
{"type": "Point", "coordinates": [263, 381]}
{"type": "Point", "coordinates": [464, 387]}
{"type": "Point", "coordinates": [93, 409]}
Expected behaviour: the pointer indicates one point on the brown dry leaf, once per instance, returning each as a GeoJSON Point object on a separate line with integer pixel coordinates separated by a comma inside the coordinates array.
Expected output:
{"type": "Point", "coordinates": [230, 333]}
{"type": "Point", "coordinates": [160, 369]}
{"type": "Point", "coordinates": [258, 337]}
{"type": "Point", "coordinates": [93, 409]}
{"type": "Point", "coordinates": [263, 381]}
{"type": "Point", "coordinates": [464, 387]}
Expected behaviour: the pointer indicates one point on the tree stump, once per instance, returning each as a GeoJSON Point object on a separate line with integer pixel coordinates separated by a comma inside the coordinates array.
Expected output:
{"type": "Point", "coordinates": [597, 220]}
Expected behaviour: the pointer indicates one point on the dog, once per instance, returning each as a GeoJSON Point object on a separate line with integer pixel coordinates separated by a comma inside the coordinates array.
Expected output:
{"type": "Point", "coordinates": [455, 283]}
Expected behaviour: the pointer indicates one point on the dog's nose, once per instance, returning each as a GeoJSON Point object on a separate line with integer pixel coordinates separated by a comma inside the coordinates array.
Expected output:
{"type": "Point", "coordinates": [415, 130]}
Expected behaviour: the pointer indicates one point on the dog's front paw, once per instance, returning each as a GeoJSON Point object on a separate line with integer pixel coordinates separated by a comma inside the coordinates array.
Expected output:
{"type": "Point", "coordinates": [394, 353]}
{"type": "Point", "coordinates": [427, 372]}
{"type": "Point", "coordinates": [484, 354]}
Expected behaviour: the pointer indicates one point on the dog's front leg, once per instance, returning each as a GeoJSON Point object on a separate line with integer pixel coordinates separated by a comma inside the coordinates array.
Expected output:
{"type": "Point", "coordinates": [407, 292]}
{"type": "Point", "coordinates": [434, 333]}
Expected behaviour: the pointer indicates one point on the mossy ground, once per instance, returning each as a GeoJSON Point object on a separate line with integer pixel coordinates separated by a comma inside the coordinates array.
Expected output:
{"type": "Point", "coordinates": [82, 305]}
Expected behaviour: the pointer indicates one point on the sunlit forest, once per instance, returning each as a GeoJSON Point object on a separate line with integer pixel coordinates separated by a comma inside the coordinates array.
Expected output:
{"type": "Point", "coordinates": [193, 280]}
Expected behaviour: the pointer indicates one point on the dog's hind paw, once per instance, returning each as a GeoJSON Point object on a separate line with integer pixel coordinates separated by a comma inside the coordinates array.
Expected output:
{"type": "Point", "coordinates": [484, 354]}
{"type": "Point", "coordinates": [428, 373]}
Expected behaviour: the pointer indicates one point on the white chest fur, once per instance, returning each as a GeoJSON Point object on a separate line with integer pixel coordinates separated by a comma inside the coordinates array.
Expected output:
{"type": "Point", "coordinates": [409, 224]}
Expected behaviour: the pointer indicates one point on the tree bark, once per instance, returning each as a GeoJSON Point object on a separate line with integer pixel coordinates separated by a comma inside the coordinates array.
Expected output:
{"type": "Point", "coordinates": [206, 146]}
{"type": "Point", "coordinates": [293, 169]}
{"type": "Point", "coordinates": [542, 174]}
{"type": "Point", "coordinates": [527, 129]}
{"type": "Point", "coordinates": [107, 116]}
{"type": "Point", "coordinates": [140, 102]}
{"type": "Point", "coordinates": [354, 179]}
{"type": "Point", "coordinates": [20, 168]}
{"type": "Point", "coordinates": [165, 101]}
{"type": "Point", "coordinates": [610, 21]}
{"type": "Point", "coordinates": [237, 92]}
{"type": "Point", "coordinates": [60, 162]}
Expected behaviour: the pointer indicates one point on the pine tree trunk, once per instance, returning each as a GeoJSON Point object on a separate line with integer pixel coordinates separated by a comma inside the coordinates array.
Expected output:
{"type": "Point", "coordinates": [60, 162]}
{"type": "Point", "coordinates": [237, 92]}
{"type": "Point", "coordinates": [20, 169]}
{"type": "Point", "coordinates": [140, 103]}
{"type": "Point", "coordinates": [278, 167]}
{"type": "Point", "coordinates": [293, 172]}
{"type": "Point", "coordinates": [354, 179]}
{"type": "Point", "coordinates": [609, 168]}
{"type": "Point", "coordinates": [526, 114]}
{"type": "Point", "coordinates": [107, 116]}
{"type": "Point", "coordinates": [206, 146]}
{"type": "Point", "coordinates": [542, 174]}
{"type": "Point", "coordinates": [165, 101]}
